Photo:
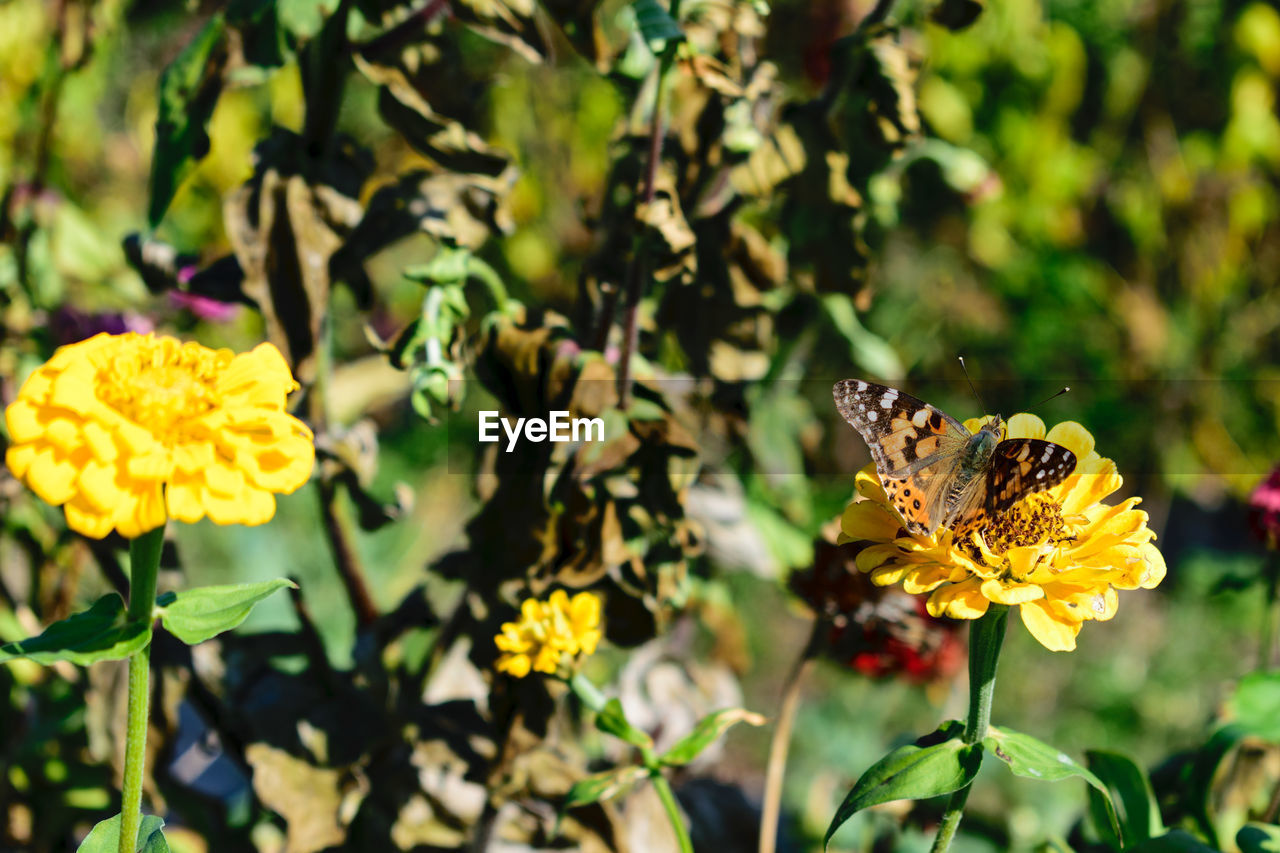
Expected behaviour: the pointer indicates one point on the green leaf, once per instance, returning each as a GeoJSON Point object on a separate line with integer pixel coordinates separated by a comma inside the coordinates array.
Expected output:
{"type": "Point", "coordinates": [189, 90]}
{"type": "Point", "coordinates": [603, 786]}
{"type": "Point", "coordinates": [105, 837]}
{"type": "Point", "coordinates": [449, 265]}
{"type": "Point", "coordinates": [102, 632]}
{"type": "Point", "coordinates": [1131, 794]}
{"type": "Point", "coordinates": [706, 732]}
{"type": "Point", "coordinates": [1034, 759]}
{"type": "Point", "coordinates": [1258, 838]}
{"type": "Point", "coordinates": [1177, 841]}
{"type": "Point", "coordinates": [655, 22]}
{"type": "Point", "coordinates": [934, 765]}
{"type": "Point", "coordinates": [612, 720]}
{"type": "Point", "coordinates": [869, 351]}
{"type": "Point", "coordinates": [1200, 780]}
{"type": "Point", "coordinates": [195, 615]}
{"type": "Point", "coordinates": [1255, 706]}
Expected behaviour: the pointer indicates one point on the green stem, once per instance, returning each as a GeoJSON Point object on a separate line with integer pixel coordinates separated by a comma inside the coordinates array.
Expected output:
{"type": "Point", "coordinates": [985, 638]}
{"type": "Point", "coordinates": [144, 566]}
{"type": "Point", "coordinates": [668, 797]}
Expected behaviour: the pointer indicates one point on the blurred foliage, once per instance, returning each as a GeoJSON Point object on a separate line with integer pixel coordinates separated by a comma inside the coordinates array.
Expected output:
{"type": "Point", "coordinates": [436, 208]}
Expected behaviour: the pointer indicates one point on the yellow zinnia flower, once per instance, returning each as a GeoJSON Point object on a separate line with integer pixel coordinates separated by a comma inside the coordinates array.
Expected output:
{"type": "Point", "coordinates": [124, 431]}
{"type": "Point", "coordinates": [548, 630]}
{"type": "Point", "coordinates": [1059, 555]}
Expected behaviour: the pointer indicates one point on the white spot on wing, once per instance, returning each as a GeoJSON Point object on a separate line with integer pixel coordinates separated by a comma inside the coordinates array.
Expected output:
{"type": "Point", "coordinates": [872, 416]}
{"type": "Point", "coordinates": [1040, 474]}
{"type": "Point", "coordinates": [887, 400]}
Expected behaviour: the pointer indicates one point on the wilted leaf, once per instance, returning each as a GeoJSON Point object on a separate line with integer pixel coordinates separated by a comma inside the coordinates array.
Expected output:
{"type": "Point", "coordinates": [189, 90]}
{"type": "Point", "coordinates": [603, 786]}
{"type": "Point", "coordinates": [708, 730]}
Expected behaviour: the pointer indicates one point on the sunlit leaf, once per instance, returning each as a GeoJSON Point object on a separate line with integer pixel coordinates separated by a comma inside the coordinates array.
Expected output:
{"type": "Point", "coordinates": [196, 615]}
{"type": "Point", "coordinates": [936, 764]}
{"type": "Point", "coordinates": [611, 719]}
{"type": "Point", "coordinates": [105, 837]}
{"type": "Point", "coordinates": [1034, 759]}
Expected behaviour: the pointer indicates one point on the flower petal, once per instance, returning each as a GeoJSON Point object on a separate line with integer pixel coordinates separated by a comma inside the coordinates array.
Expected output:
{"type": "Point", "coordinates": [1054, 633]}
{"type": "Point", "coordinates": [1000, 592]}
{"type": "Point", "coordinates": [1074, 437]}
{"type": "Point", "coordinates": [1025, 425]}
{"type": "Point", "coordinates": [959, 601]}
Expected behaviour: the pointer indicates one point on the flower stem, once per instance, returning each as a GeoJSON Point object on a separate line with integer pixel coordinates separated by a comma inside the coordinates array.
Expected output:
{"type": "Point", "coordinates": [663, 787]}
{"type": "Point", "coordinates": [985, 638]}
{"type": "Point", "coordinates": [144, 566]}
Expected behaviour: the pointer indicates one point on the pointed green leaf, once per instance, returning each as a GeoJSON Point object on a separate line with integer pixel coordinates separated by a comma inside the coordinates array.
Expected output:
{"type": "Point", "coordinates": [612, 720]}
{"type": "Point", "coordinates": [1034, 759]}
{"type": "Point", "coordinates": [706, 732]}
{"type": "Point", "coordinates": [1258, 838]}
{"type": "Point", "coordinates": [195, 615]}
{"type": "Point", "coordinates": [1132, 795]}
{"type": "Point", "coordinates": [655, 22]}
{"type": "Point", "coordinates": [934, 765]}
{"type": "Point", "coordinates": [189, 90]}
{"type": "Point", "coordinates": [1200, 780]}
{"type": "Point", "coordinates": [102, 632]}
{"type": "Point", "coordinates": [105, 837]}
{"type": "Point", "coordinates": [603, 786]}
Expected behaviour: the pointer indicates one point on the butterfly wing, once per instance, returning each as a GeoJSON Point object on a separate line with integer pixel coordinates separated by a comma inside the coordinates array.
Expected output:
{"type": "Point", "coordinates": [916, 447]}
{"type": "Point", "coordinates": [1023, 466]}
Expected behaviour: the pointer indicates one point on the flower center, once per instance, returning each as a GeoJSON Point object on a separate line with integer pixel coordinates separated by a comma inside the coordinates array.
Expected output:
{"type": "Point", "coordinates": [1030, 521]}
{"type": "Point", "coordinates": [162, 387]}
{"type": "Point", "coordinates": [1035, 520]}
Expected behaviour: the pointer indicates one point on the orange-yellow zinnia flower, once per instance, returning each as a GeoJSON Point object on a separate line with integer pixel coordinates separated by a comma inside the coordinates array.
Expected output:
{"type": "Point", "coordinates": [548, 630]}
{"type": "Point", "coordinates": [124, 431]}
{"type": "Point", "coordinates": [1059, 555]}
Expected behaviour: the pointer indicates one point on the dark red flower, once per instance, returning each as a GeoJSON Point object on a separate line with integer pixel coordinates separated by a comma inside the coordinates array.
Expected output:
{"type": "Point", "coordinates": [879, 631]}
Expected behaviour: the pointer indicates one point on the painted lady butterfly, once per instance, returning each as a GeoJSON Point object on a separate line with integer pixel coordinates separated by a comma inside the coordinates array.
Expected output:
{"type": "Point", "coordinates": [936, 472]}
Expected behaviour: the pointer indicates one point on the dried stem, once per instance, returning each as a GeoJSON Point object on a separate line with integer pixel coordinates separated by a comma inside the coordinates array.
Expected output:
{"type": "Point", "coordinates": [637, 272]}
{"type": "Point", "coordinates": [780, 743]}
{"type": "Point", "coordinates": [337, 527]}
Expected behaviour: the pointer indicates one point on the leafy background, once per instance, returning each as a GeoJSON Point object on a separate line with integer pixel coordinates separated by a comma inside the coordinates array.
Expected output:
{"type": "Point", "coordinates": [439, 208]}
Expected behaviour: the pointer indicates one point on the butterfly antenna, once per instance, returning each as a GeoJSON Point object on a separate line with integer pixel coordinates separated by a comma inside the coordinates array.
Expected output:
{"type": "Point", "coordinates": [1061, 391]}
{"type": "Point", "coordinates": [969, 379]}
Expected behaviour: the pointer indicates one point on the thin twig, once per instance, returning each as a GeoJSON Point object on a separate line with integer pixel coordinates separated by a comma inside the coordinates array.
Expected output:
{"type": "Point", "coordinates": [337, 531]}
{"type": "Point", "coordinates": [636, 271]}
{"type": "Point", "coordinates": [780, 743]}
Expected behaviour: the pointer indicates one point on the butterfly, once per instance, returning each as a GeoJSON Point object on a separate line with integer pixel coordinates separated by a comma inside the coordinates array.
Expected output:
{"type": "Point", "coordinates": [937, 473]}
